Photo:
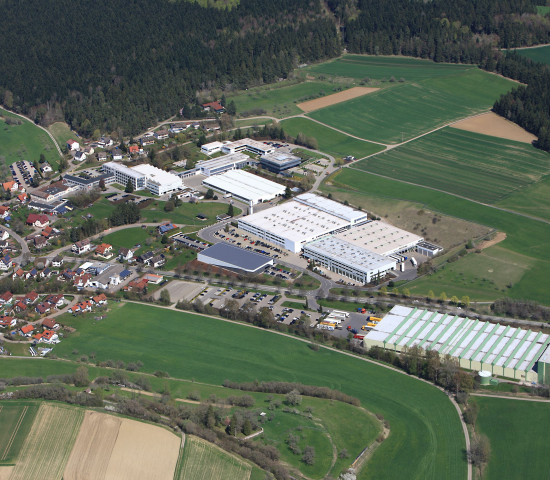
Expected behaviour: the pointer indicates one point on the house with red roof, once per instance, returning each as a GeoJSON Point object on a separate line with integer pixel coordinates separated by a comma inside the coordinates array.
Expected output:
{"type": "Point", "coordinates": [57, 300]}
{"type": "Point", "coordinates": [20, 306]}
{"type": "Point", "coordinates": [7, 322]}
{"type": "Point", "coordinates": [49, 336]}
{"type": "Point", "coordinates": [43, 308]}
{"type": "Point", "coordinates": [81, 247]}
{"type": "Point", "coordinates": [50, 324]}
{"type": "Point", "coordinates": [31, 297]}
{"type": "Point", "coordinates": [38, 220]}
{"type": "Point", "coordinates": [19, 274]}
{"type": "Point", "coordinates": [12, 186]}
{"type": "Point", "coordinates": [137, 285]}
{"type": "Point", "coordinates": [73, 145]}
{"type": "Point", "coordinates": [100, 299]}
{"type": "Point", "coordinates": [133, 149]}
{"type": "Point", "coordinates": [4, 212]}
{"type": "Point", "coordinates": [27, 330]}
{"type": "Point", "coordinates": [82, 281]}
{"type": "Point", "coordinates": [47, 232]}
{"type": "Point", "coordinates": [216, 107]}
{"type": "Point", "coordinates": [104, 250]}
{"type": "Point", "coordinates": [6, 298]}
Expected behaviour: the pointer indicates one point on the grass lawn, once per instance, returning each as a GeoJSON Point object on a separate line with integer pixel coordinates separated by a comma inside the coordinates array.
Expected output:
{"type": "Point", "coordinates": [307, 282]}
{"type": "Point", "coordinates": [295, 305]}
{"type": "Point", "coordinates": [426, 435]}
{"type": "Point", "coordinates": [127, 237]}
{"type": "Point", "coordinates": [543, 9]}
{"type": "Point", "coordinates": [183, 256]}
{"type": "Point", "coordinates": [475, 166]}
{"type": "Point", "coordinates": [537, 54]}
{"type": "Point", "coordinates": [517, 431]}
{"type": "Point", "coordinates": [245, 122]}
{"type": "Point", "coordinates": [340, 305]}
{"type": "Point", "coordinates": [62, 133]}
{"type": "Point", "coordinates": [380, 68]}
{"type": "Point", "coordinates": [186, 213]}
{"type": "Point", "coordinates": [25, 142]}
{"type": "Point", "coordinates": [16, 419]}
{"type": "Point", "coordinates": [280, 100]}
{"type": "Point", "coordinates": [525, 236]}
{"type": "Point", "coordinates": [406, 110]}
{"type": "Point", "coordinates": [330, 141]}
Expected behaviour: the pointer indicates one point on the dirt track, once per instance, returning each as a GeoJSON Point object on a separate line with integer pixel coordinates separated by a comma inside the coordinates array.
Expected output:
{"type": "Point", "coordinates": [499, 237]}
{"type": "Point", "coordinates": [335, 98]}
{"type": "Point", "coordinates": [496, 126]}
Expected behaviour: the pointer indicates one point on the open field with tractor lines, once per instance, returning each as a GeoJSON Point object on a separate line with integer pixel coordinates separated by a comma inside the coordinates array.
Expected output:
{"type": "Point", "coordinates": [15, 423]}
{"type": "Point", "coordinates": [406, 110]}
{"type": "Point", "coordinates": [517, 431]}
{"type": "Point", "coordinates": [189, 352]}
{"type": "Point", "coordinates": [48, 445]}
{"type": "Point", "coordinates": [379, 68]}
{"type": "Point", "coordinates": [330, 141]}
{"type": "Point", "coordinates": [532, 200]}
{"type": "Point", "coordinates": [205, 461]}
{"type": "Point", "coordinates": [525, 236]}
{"type": "Point", "coordinates": [469, 164]}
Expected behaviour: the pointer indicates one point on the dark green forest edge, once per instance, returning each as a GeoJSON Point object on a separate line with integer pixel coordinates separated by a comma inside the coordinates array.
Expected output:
{"type": "Point", "coordinates": [121, 66]}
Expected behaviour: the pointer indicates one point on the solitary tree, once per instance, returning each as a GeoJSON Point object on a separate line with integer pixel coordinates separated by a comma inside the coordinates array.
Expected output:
{"type": "Point", "coordinates": [209, 194]}
{"type": "Point", "coordinates": [309, 455]}
{"type": "Point", "coordinates": [129, 187]}
{"type": "Point", "coordinates": [102, 185]}
{"type": "Point", "coordinates": [288, 192]}
{"type": "Point", "coordinates": [231, 210]}
{"type": "Point", "coordinates": [247, 427]}
{"type": "Point", "coordinates": [165, 297]}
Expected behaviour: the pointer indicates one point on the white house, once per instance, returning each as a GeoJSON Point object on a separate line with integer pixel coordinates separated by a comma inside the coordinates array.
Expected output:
{"type": "Point", "coordinates": [46, 168]}
{"type": "Point", "coordinates": [4, 235]}
{"type": "Point", "coordinates": [73, 145]}
{"type": "Point", "coordinates": [80, 156]}
{"type": "Point", "coordinates": [81, 247]}
{"type": "Point", "coordinates": [117, 155]}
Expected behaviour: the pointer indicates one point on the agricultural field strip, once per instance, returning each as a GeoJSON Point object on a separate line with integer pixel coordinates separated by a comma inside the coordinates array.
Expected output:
{"type": "Point", "coordinates": [15, 430]}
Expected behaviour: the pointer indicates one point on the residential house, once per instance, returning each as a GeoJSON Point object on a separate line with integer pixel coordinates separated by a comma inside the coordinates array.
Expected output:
{"type": "Point", "coordinates": [43, 308]}
{"type": "Point", "coordinates": [80, 156]}
{"type": "Point", "coordinates": [153, 278]}
{"type": "Point", "coordinates": [145, 257]}
{"type": "Point", "coordinates": [104, 250]}
{"type": "Point", "coordinates": [4, 212]}
{"type": "Point", "coordinates": [81, 247]}
{"type": "Point", "coordinates": [4, 235]}
{"type": "Point", "coordinates": [82, 281]}
{"type": "Point", "coordinates": [40, 242]}
{"type": "Point", "coordinates": [215, 107]}
{"type": "Point", "coordinates": [27, 330]}
{"type": "Point", "coordinates": [57, 261]}
{"type": "Point", "coordinates": [101, 157]}
{"type": "Point", "coordinates": [20, 306]}
{"type": "Point", "coordinates": [133, 149]}
{"type": "Point", "coordinates": [19, 274]}
{"type": "Point", "coordinates": [6, 298]}
{"type": "Point", "coordinates": [157, 261]}
{"type": "Point", "coordinates": [31, 297]}
{"type": "Point", "coordinates": [7, 322]}
{"type": "Point", "coordinates": [147, 140]}
{"type": "Point", "coordinates": [48, 232]}
{"type": "Point", "coordinates": [100, 299]}
{"type": "Point", "coordinates": [117, 154]}
{"type": "Point", "coordinates": [178, 127]}
{"type": "Point", "coordinates": [50, 324]}
{"type": "Point", "coordinates": [46, 168]}
{"type": "Point", "coordinates": [125, 274]}
{"type": "Point", "coordinates": [89, 150]}
{"type": "Point", "coordinates": [49, 336]}
{"type": "Point", "coordinates": [166, 227]}
{"type": "Point", "coordinates": [38, 220]}
{"type": "Point", "coordinates": [32, 274]}
{"type": "Point", "coordinates": [137, 285]}
{"type": "Point", "coordinates": [67, 275]}
{"type": "Point", "coordinates": [22, 197]}
{"type": "Point", "coordinates": [105, 142]}
{"type": "Point", "coordinates": [46, 273]}
{"type": "Point", "coordinates": [73, 145]}
{"type": "Point", "coordinates": [12, 186]}
{"type": "Point", "coordinates": [125, 254]}
{"type": "Point", "coordinates": [5, 262]}
{"type": "Point", "coordinates": [161, 134]}
{"type": "Point", "coordinates": [56, 300]}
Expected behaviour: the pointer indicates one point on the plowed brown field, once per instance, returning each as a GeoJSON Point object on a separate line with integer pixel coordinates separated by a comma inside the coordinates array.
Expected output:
{"type": "Point", "coordinates": [335, 98]}
{"type": "Point", "coordinates": [496, 126]}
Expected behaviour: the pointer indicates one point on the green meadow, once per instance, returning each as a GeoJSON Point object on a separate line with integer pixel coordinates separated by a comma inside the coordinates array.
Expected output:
{"type": "Point", "coordinates": [426, 439]}
{"type": "Point", "coordinates": [406, 110]}
{"type": "Point", "coordinates": [330, 141]}
{"type": "Point", "coordinates": [468, 164]}
{"type": "Point", "coordinates": [537, 54]}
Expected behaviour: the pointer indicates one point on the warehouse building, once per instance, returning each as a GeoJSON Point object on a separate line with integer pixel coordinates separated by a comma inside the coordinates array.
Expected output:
{"type": "Point", "coordinates": [229, 256]}
{"type": "Point", "coordinates": [349, 214]}
{"type": "Point", "coordinates": [211, 148]}
{"type": "Point", "coordinates": [348, 260]}
{"type": "Point", "coordinates": [380, 237]}
{"type": "Point", "coordinates": [252, 146]}
{"type": "Point", "coordinates": [500, 349]}
{"type": "Point", "coordinates": [244, 186]}
{"type": "Point", "coordinates": [279, 162]}
{"type": "Point", "coordinates": [215, 166]}
{"type": "Point", "coordinates": [88, 182]}
{"type": "Point", "coordinates": [157, 181]}
{"type": "Point", "coordinates": [428, 249]}
{"type": "Point", "coordinates": [292, 224]}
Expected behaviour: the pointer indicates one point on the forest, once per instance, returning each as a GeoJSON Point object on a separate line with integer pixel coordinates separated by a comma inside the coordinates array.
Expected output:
{"type": "Point", "coordinates": [122, 66]}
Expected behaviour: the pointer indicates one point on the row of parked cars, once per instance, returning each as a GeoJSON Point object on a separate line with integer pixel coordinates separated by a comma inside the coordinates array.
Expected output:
{"type": "Point", "coordinates": [26, 170]}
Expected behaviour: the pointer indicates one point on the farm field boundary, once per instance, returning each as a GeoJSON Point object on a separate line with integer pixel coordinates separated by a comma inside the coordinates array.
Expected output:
{"type": "Point", "coordinates": [15, 423]}
{"type": "Point", "coordinates": [335, 98]}
{"type": "Point", "coordinates": [496, 126]}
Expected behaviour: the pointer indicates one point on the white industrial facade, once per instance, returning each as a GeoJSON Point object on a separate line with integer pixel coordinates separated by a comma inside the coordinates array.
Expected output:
{"type": "Point", "coordinates": [157, 181]}
{"type": "Point", "coordinates": [245, 186]}
{"type": "Point", "coordinates": [211, 148]}
{"type": "Point", "coordinates": [380, 237]}
{"type": "Point", "coordinates": [252, 146]}
{"type": "Point", "coordinates": [223, 164]}
{"type": "Point", "coordinates": [348, 260]}
{"type": "Point", "coordinates": [354, 217]}
{"type": "Point", "coordinates": [500, 349]}
{"type": "Point", "coordinates": [292, 224]}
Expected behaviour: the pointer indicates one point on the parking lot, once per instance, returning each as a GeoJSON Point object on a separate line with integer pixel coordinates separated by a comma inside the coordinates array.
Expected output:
{"type": "Point", "coordinates": [23, 172]}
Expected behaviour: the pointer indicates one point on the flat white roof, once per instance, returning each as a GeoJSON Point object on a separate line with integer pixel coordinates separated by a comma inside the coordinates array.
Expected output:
{"type": "Point", "coordinates": [350, 255]}
{"type": "Point", "coordinates": [229, 159]}
{"type": "Point", "coordinates": [280, 157]}
{"type": "Point", "coordinates": [157, 175]}
{"type": "Point", "coordinates": [332, 207]}
{"type": "Point", "coordinates": [380, 237]}
{"type": "Point", "coordinates": [464, 338]}
{"type": "Point", "coordinates": [212, 145]}
{"type": "Point", "coordinates": [245, 185]}
{"type": "Point", "coordinates": [249, 143]}
{"type": "Point", "coordinates": [295, 221]}
{"type": "Point", "coordinates": [123, 169]}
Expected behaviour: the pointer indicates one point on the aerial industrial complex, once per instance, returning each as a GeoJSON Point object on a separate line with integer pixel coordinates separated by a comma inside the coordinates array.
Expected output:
{"type": "Point", "coordinates": [144, 176]}
{"type": "Point", "coordinates": [503, 350]}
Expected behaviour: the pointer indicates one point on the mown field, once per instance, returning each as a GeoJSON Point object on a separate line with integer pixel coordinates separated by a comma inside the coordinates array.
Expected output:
{"type": "Point", "coordinates": [531, 200]}
{"type": "Point", "coordinates": [48, 445]}
{"type": "Point", "coordinates": [537, 54]}
{"type": "Point", "coordinates": [204, 461]}
{"type": "Point", "coordinates": [330, 141]}
{"type": "Point", "coordinates": [525, 236]}
{"type": "Point", "coordinates": [406, 110]}
{"type": "Point", "coordinates": [25, 142]}
{"type": "Point", "coordinates": [15, 423]}
{"type": "Point", "coordinates": [409, 69]}
{"type": "Point", "coordinates": [62, 133]}
{"type": "Point", "coordinates": [280, 101]}
{"type": "Point", "coordinates": [426, 436]}
{"type": "Point", "coordinates": [517, 431]}
{"type": "Point", "coordinates": [472, 165]}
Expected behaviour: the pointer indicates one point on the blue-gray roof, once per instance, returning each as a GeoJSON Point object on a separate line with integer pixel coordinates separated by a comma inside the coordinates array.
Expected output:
{"type": "Point", "coordinates": [237, 257]}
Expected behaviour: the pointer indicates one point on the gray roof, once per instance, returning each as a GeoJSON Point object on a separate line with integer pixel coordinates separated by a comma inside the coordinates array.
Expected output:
{"type": "Point", "coordinates": [238, 257]}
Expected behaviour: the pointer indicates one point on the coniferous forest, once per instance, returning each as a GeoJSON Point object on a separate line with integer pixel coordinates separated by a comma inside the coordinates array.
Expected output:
{"type": "Point", "coordinates": [122, 65]}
